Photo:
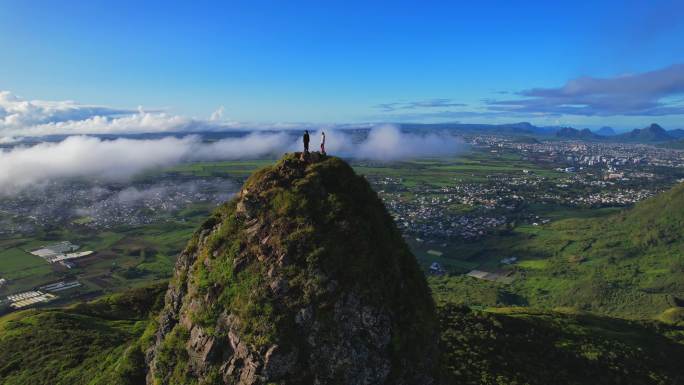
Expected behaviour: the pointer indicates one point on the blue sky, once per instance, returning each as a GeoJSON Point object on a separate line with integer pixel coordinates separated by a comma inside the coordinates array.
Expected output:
{"type": "Point", "coordinates": [355, 61]}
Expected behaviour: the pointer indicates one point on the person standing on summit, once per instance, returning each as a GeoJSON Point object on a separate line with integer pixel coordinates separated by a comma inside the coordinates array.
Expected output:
{"type": "Point", "coordinates": [306, 141]}
{"type": "Point", "coordinates": [322, 142]}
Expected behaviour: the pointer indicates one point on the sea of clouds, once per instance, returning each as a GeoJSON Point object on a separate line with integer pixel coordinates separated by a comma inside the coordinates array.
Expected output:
{"type": "Point", "coordinates": [82, 155]}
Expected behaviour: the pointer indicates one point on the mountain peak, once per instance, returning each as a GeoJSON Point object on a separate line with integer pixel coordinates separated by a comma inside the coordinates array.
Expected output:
{"type": "Point", "coordinates": [655, 127]}
{"type": "Point", "coordinates": [524, 125]}
{"type": "Point", "coordinates": [573, 133]}
{"type": "Point", "coordinates": [605, 131]}
{"type": "Point", "coordinates": [652, 133]}
{"type": "Point", "coordinates": [302, 278]}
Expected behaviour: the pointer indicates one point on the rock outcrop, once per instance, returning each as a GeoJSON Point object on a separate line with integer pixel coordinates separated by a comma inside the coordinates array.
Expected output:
{"type": "Point", "coordinates": [303, 278]}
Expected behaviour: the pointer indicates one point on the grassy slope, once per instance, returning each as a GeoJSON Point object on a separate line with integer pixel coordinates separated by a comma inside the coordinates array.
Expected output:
{"type": "Point", "coordinates": [102, 343]}
{"type": "Point", "coordinates": [519, 346]}
{"type": "Point", "coordinates": [94, 343]}
{"type": "Point", "coordinates": [628, 264]}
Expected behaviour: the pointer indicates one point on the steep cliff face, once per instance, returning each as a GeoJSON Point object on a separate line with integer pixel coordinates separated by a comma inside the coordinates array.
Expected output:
{"type": "Point", "coordinates": [302, 279]}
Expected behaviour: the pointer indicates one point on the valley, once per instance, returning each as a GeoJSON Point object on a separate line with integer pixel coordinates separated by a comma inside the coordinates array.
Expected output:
{"type": "Point", "coordinates": [510, 265]}
{"type": "Point", "coordinates": [500, 199]}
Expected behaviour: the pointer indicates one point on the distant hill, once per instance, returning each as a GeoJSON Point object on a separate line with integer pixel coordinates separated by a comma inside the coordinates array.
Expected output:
{"type": "Point", "coordinates": [651, 134]}
{"type": "Point", "coordinates": [523, 346]}
{"type": "Point", "coordinates": [605, 131]}
{"type": "Point", "coordinates": [626, 263]}
{"type": "Point", "coordinates": [100, 342]}
{"type": "Point", "coordinates": [522, 128]}
{"type": "Point", "coordinates": [573, 133]}
{"type": "Point", "coordinates": [656, 221]}
{"type": "Point", "coordinates": [677, 133]}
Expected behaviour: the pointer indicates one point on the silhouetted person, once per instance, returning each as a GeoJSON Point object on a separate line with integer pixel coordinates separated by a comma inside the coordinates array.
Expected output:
{"type": "Point", "coordinates": [322, 142]}
{"type": "Point", "coordinates": [306, 141]}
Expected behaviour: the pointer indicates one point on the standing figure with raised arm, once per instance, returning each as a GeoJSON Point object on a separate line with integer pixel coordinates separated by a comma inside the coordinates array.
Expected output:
{"type": "Point", "coordinates": [322, 142]}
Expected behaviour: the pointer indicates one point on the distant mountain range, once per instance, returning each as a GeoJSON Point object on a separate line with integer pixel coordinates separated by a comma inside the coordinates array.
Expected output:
{"type": "Point", "coordinates": [678, 133]}
{"type": "Point", "coordinates": [522, 128]}
{"type": "Point", "coordinates": [651, 134]}
{"type": "Point", "coordinates": [573, 133]}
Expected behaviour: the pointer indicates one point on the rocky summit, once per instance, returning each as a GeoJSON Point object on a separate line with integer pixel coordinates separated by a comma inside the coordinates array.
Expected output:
{"type": "Point", "coordinates": [303, 278]}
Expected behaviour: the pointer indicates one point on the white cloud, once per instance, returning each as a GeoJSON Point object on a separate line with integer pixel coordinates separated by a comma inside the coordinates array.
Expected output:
{"type": "Point", "coordinates": [9, 139]}
{"type": "Point", "coordinates": [217, 115]}
{"type": "Point", "coordinates": [389, 143]}
{"type": "Point", "coordinates": [20, 117]}
{"type": "Point", "coordinates": [84, 156]}
{"type": "Point", "coordinates": [646, 94]}
{"type": "Point", "coordinates": [132, 195]}
{"type": "Point", "coordinates": [386, 143]}
{"type": "Point", "coordinates": [251, 146]}
{"type": "Point", "coordinates": [87, 156]}
{"type": "Point", "coordinates": [17, 114]}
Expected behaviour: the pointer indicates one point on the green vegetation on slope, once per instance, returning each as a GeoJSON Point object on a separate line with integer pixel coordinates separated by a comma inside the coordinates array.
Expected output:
{"type": "Point", "coordinates": [656, 221]}
{"type": "Point", "coordinates": [100, 342]}
{"type": "Point", "coordinates": [524, 347]}
{"type": "Point", "coordinates": [321, 232]}
{"type": "Point", "coordinates": [626, 264]}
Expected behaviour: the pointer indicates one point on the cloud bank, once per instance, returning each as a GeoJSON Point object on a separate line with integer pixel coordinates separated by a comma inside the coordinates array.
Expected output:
{"type": "Point", "coordinates": [9, 139]}
{"type": "Point", "coordinates": [388, 143]}
{"type": "Point", "coordinates": [20, 117]}
{"type": "Point", "coordinates": [16, 112]}
{"type": "Point", "coordinates": [83, 156]}
{"type": "Point", "coordinates": [644, 94]}
{"type": "Point", "coordinates": [90, 157]}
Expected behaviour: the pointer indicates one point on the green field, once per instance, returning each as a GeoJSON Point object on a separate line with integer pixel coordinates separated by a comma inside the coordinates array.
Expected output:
{"type": "Point", "coordinates": [238, 168]}
{"type": "Point", "coordinates": [16, 263]}
{"type": "Point", "coordinates": [475, 166]}
{"type": "Point", "coordinates": [469, 166]}
{"type": "Point", "coordinates": [125, 257]}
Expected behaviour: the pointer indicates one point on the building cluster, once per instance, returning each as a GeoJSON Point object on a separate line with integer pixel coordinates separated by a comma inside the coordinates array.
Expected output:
{"type": "Point", "coordinates": [60, 252]}
{"type": "Point", "coordinates": [499, 275]}
{"type": "Point", "coordinates": [620, 197]}
{"type": "Point", "coordinates": [104, 206]}
{"type": "Point", "coordinates": [587, 175]}
{"type": "Point", "coordinates": [28, 298]}
{"type": "Point", "coordinates": [587, 154]}
{"type": "Point", "coordinates": [40, 295]}
{"type": "Point", "coordinates": [429, 218]}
